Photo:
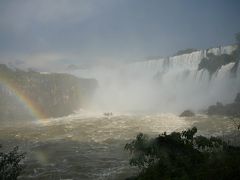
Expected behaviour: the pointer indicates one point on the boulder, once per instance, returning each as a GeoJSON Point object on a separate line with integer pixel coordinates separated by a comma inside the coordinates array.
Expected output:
{"type": "Point", "coordinates": [187, 113]}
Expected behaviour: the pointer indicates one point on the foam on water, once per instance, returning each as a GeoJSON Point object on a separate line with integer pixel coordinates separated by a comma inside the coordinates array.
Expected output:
{"type": "Point", "coordinates": [85, 145]}
{"type": "Point", "coordinates": [90, 145]}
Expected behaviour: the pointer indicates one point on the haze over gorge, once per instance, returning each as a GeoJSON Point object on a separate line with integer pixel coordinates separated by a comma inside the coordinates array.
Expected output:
{"type": "Point", "coordinates": [119, 90]}
{"type": "Point", "coordinates": [165, 85]}
{"type": "Point", "coordinates": [33, 95]}
{"type": "Point", "coordinates": [170, 84]}
{"type": "Point", "coordinates": [104, 109]}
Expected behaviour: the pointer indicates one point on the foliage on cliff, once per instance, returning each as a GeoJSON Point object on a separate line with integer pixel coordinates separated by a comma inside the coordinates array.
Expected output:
{"type": "Point", "coordinates": [237, 37]}
{"type": "Point", "coordinates": [54, 94]}
{"type": "Point", "coordinates": [182, 155]}
{"type": "Point", "coordinates": [212, 62]}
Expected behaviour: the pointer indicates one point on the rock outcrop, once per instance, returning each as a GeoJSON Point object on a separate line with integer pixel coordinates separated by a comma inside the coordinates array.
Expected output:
{"type": "Point", "coordinates": [232, 109]}
{"type": "Point", "coordinates": [52, 94]}
{"type": "Point", "coordinates": [187, 113]}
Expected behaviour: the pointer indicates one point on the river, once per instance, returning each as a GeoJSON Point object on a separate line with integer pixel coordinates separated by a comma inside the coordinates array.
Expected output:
{"type": "Point", "coordinates": [90, 145]}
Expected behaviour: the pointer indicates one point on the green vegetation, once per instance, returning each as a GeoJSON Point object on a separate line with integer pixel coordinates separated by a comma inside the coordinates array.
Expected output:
{"type": "Point", "coordinates": [10, 167]}
{"type": "Point", "coordinates": [237, 36]}
{"type": "Point", "coordinates": [183, 155]}
{"type": "Point", "coordinates": [214, 62]}
{"type": "Point", "coordinates": [53, 94]}
{"type": "Point", "coordinates": [236, 53]}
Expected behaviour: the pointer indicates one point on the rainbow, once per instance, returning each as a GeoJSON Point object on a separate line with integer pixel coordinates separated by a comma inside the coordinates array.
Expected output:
{"type": "Point", "coordinates": [34, 109]}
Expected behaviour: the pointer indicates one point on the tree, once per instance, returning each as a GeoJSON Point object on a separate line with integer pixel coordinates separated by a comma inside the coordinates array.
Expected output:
{"type": "Point", "coordinates": [10, 167]}
{"type": "Point", "coordinates": [182, 155]}
{"type": "Point", "coordinates": [237, 36]}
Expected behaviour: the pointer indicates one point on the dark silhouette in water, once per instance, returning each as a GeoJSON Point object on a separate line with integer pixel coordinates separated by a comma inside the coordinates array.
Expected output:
{"type": "Point", "coordinates": [108, 114]}
{"type": "Point", "coordinates": [187, 113]}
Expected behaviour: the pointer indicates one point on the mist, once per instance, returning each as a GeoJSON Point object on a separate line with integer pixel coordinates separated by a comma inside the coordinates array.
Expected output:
{"type": "Point", "coordinates": [171, 84]}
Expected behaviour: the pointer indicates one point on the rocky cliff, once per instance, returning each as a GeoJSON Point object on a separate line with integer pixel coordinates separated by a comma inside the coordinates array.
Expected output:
{"type": "Point", "coordinates": [28, 95]}
{"type": "Point", "coordinates": [231, 109]}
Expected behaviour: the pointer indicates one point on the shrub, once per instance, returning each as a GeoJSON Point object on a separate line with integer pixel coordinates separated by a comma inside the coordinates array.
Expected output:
{"type": "Point", "coordinates": [10, 167]}
{"type": "Point", "coordinates": [183, 156]}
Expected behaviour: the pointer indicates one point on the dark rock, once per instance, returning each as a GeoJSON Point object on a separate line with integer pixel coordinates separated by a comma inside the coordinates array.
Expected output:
{"type": "Point", "coordinates": [216, 109]}
{"type": "Point", "coordinates": [187, 113]}
{"type": "Point", "coordinates": [232, 109]}
{"type": "Point", "coordinates": [214, 62]}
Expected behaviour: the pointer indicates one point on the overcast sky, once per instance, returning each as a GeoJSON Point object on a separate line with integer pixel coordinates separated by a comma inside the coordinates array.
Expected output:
{"type": "Point", "coordinates": [51, 34]}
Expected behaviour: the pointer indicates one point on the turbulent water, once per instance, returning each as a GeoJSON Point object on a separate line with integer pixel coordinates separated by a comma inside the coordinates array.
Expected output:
{"type": "Point", "coordinates": [90, 145]}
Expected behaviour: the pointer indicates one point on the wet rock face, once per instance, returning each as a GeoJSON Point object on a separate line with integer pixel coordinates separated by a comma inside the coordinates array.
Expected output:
{"type": "Point", "coordinates": [187, 113]}
{"type": "Point", "coordinates": [232, 109]}
{"type": "Point", "coordinates": [54, 94]}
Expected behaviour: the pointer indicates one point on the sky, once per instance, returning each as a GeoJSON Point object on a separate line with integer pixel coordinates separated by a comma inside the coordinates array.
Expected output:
{"type": "Point", "coordinates": [52, 35]}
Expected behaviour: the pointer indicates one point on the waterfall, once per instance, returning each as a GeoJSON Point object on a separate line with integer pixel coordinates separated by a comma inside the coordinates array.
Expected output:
{"type": "Point", "coordinates": [170, 84]}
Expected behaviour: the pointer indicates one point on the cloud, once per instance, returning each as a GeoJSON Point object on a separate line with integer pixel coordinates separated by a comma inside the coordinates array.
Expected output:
{"type": "Point", "coordinates": [18, 16]}
{"type": "Point", "coordinates": [84, 32]}
{"type": "Point", "coordinates": [45, 33]}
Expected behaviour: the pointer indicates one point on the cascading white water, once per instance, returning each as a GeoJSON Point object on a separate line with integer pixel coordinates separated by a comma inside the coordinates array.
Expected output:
{"type": "Point", "coordinates": [164, 85]}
